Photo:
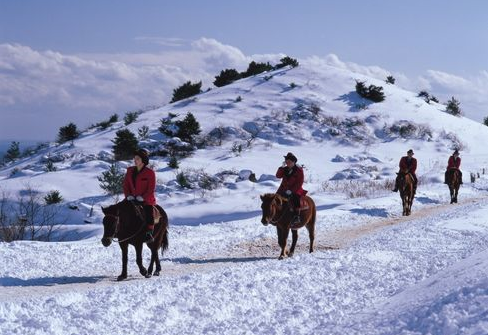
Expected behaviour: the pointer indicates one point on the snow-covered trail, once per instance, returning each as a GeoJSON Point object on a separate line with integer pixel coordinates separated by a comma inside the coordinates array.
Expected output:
{"type": "Point", "coordinates": [251, 250]}
{"type": "Point", "coordinates": [213, 287]}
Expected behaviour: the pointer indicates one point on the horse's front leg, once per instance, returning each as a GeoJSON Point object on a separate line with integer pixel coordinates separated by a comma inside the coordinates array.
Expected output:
{"type": "Point", "coordinates": [282, 239]}
{"type": "Point", "coordinates": [142, 269]}
{"type": "Point", "coordinates": [294, 235]}
{"type": "Point", "coordinates": [124, 248]}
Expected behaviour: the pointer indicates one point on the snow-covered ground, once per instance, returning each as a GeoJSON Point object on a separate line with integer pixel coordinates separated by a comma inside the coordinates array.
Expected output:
{"type": "Point", "coordinates": [372, 271]}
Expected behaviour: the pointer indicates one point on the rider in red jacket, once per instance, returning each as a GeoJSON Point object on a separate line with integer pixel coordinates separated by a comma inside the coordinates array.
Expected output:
{"type": "Point", "coordinates": [291, 176]}
{"type": "Point", "coordinates": [140, 185]}
{"type": "Point", "coordinates": [407, 164]}
{"type": "Point", "coordinates": [453, 164]}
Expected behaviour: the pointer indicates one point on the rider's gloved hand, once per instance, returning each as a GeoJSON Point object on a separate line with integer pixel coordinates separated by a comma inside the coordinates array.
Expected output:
{"type": "Point", "coordinates": [139, 198]}
{"type": "Point", "coordinates": [130, 198]}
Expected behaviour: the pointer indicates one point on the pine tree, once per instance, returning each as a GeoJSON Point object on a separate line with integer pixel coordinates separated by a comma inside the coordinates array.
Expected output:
{"type": "Point", "coordinates": [68, 133]}
{"type": "Point", "coordinates": [453, 107]}
{"type": "Point", "coordinates": [226, 77]}
{"type": "Point", "coordinates": [186, 90]}
{"type": "Point", "coordinates": [13, 152]}
{"type": "Point", "coordinates": [111, 181]}
{"type": "Point", "coordinates": [125, 144]}
{"type": "Point", "coordinates": [187, 128]}
{"type": "Point", "coordinates": [287, 61]}
{"type": "Point", "coordinates": [390, 80]}
{"type": "Point", "coordinates": [485, 121]}
{"type": "Point", "coordinates": [256, 68]}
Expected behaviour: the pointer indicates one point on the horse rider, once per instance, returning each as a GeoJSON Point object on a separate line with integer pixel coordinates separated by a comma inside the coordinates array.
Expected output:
{"type": "Point", "coordinates": [408, 164]}
{"type": "Point", "coordinates": [291, 184]}
{"type": "Point", "coordinates": [453, 164]}
{"type": "Point", "coordinates": [139, 186]}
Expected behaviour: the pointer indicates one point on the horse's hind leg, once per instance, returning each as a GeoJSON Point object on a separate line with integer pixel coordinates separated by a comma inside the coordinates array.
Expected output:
{"type": "Point", "coordinates": [294, 236]}
{"type": "Point", "coordinates": [311, 235]}
{"type": "Point", "coordinates": [154, 261]}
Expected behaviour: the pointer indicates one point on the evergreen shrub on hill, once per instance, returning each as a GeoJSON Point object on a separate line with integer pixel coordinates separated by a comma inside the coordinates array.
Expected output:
{"type": "Point", "coordinates": [372, 92]}
{"type": "Point", "coordinates": [226, 77]}
{"type": "Point", "coordinates": [453, 107]}
{"type": "Point", "coordinates": [287, 61]}
{"type": "Point", "coordinates": [390, 80]}
{"type": "Point", "coordinates": [68, 133]}
{"type": "Point", "coordinates": [13, 152]}
{"type": "Point", "coordinates": [256, 68]}
{"type": "Point", "coordinates": [53, 197]}
{"type": "Point", "coordinates": [111, 181]}
{"type": "Point", "coordinates": [125, 144]}
{"type": "Point", "coordinates": [485, 121]}
{"type": "Point", "coordinates": [186, 90]}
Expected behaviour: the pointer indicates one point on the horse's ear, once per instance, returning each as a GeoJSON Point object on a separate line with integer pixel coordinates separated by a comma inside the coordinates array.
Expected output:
{"type": "Point", "coordinates": [262, 197]}
{"type": "Point", "coordinates": [103, 209]}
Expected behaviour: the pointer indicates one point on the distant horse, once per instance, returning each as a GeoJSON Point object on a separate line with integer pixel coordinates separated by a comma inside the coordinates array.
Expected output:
{"type": "Point", "coordinates": [278, 211]}
{"type": "Point", "coordinates": [407, 192]}
{"type": "Point", "coordinates": [454, 182]}
{"type": "Point", "coordinates": [125, 221]}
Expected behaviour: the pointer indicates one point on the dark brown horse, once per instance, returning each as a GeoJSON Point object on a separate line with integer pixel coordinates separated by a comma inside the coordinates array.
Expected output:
{"type": "Point", "coordinates": [454, 183]}
{"type": "Point", "coordinates": [278, 211]}
{"type": "Point", "coordinates": [125, 221]}
{"type": "Point", "coordinates": [407, 192]}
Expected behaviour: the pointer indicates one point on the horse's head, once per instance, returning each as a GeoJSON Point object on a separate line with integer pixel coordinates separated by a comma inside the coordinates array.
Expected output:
{"type": "Point", "coordinates": [271, 205]}
{"type": "Point", "coordinates": [110, 223]}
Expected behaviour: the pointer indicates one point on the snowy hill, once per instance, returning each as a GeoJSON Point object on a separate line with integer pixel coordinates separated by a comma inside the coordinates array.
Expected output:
{"type": "Point", "coordinates": [221, 274]}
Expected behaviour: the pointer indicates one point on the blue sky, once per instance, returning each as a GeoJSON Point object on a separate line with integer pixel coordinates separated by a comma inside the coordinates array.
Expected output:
{"type": "Point", "coordinates": [409, 36]}
{"type": "Point", "coordinates": [438, 45]}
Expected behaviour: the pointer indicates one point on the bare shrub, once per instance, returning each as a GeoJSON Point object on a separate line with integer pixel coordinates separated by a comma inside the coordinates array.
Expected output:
{"type": "Point", "coordinates": [359, 188]}
{"type": "Point", "coordinates": [28, 218]}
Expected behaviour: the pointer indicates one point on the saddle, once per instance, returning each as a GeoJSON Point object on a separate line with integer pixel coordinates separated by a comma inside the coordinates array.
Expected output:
{"type": "Point", "coordinates": [303, 204]}
{"type": "Point", "coordinates": [156, 212]}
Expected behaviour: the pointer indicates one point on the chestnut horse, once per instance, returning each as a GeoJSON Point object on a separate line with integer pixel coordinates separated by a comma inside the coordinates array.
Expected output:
{"type": "Point", "coordinates": [407, 192]}
{"type": "Point", "coordinates": [453, 184]}
{"type": "Point", "coordinates": [278, 211]}
{"type": "Point", "coordinates": [125, 221]}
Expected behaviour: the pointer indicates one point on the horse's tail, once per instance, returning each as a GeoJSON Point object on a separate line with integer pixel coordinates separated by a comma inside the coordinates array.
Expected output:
{"type": "Point", "coordinates": [165, 244]}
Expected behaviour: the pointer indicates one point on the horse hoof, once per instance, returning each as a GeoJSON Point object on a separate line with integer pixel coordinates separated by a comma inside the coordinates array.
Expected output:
{"type": "Point", "coordinates": [290, 254]}
{"type": "Point", "coordinates": [121, 277]}
{"type": "Point", "coordinates": [156, 273]}
{"type": "Point", "coordinates": [148, 275]}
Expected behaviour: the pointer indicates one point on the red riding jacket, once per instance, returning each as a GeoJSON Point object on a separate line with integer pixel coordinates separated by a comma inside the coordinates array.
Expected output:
{"type": "Point", "coordinates": [145, 184]}
{"type": "Point", "coordinates": [404, 164]}
{"type": "Point", "coordinates": [291, 180]}
{"type": "Point", "coordinates": [453, 163]}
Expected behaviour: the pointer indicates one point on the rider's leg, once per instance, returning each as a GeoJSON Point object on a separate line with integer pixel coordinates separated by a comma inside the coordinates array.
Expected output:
{"type": "Point", "coordinates": [397, 182]}
{"type": "Point", "coordinates": [148, 211]}
{"type": "Point", "coordinates": [295, 200]}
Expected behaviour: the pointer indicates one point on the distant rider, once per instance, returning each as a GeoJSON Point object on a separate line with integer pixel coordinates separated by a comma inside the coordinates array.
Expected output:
{"type": "Point", "coordinates": [453, 164]}
{"type": "Point", "coordinates": [140, 186]}
{"type": "Point", "coordinates": [291, 185]}
{"type": "Point", "coordinates": [407, 164]}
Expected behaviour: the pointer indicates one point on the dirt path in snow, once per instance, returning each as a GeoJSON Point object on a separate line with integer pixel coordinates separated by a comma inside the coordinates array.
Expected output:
{"type": "Point", "coordinates": [249, 251]}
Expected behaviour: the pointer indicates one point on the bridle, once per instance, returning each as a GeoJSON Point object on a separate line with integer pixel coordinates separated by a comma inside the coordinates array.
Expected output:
{"type": "Point", "coordinates": [274, 222]}
{"type": "Point", "coordinates": [117, 225]}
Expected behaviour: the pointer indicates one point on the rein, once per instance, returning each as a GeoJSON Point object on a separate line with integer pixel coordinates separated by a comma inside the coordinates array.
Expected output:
{"type": "Point", "coordinates": [279, 219]}
{"type": "Point", "coordinates": [117, 225]}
